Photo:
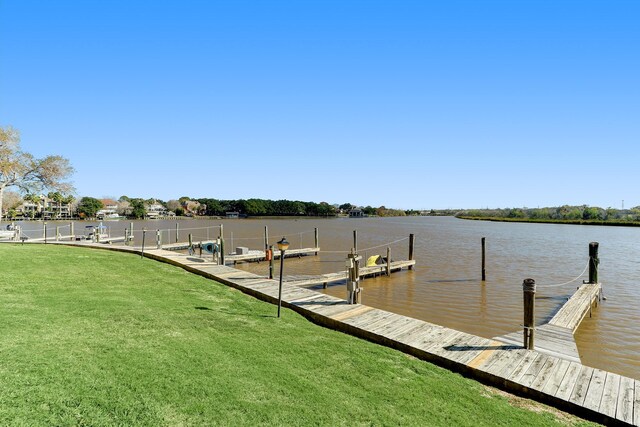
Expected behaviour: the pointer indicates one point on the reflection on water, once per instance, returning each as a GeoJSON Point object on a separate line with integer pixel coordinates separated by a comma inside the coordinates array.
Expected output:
{"type": "Point", "coordinates": [445, 286]}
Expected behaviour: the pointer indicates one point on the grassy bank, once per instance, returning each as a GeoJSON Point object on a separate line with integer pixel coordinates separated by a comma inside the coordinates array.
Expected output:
{"type": "Point", "coordinates": [615, 223]}
{"type": "Point", "coordinates": [92, 337]}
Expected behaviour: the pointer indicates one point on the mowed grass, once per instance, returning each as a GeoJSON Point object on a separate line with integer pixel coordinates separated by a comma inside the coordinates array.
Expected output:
{"type": "Point", "coordinates": [93, 337]}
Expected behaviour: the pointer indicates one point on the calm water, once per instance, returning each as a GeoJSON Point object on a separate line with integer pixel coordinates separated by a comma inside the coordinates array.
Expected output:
{"type": "Point", "coordinates": [445, 286]}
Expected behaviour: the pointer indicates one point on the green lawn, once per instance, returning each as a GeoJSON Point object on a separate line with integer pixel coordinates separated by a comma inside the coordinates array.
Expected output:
{"type": "Point", "coordinates": [93, 337]}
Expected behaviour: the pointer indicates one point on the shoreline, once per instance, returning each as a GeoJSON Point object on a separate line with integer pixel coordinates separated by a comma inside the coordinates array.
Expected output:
{"type": "Point", "coordinates": [554, 221]}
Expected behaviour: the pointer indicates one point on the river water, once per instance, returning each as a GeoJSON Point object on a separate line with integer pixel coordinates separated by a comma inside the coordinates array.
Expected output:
{"type": "Point", "coordinates": [445, 286]}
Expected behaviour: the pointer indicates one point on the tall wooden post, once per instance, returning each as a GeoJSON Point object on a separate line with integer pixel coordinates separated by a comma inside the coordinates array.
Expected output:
{"type": "Point", "coordinates": [177, 231]}
{"type": "Point", "coordinates": [221, 244]}
{"type": "Point", "coordinates": [529, 295]}
{"type": "Point", "coordinates": [411, 245]}
{"type": "Point", "coordinates": [144, 234]}
{"type": "Point", "coordinates": [353, 287]}
{"type": "Point", "coordinates": [158, 240]}
{"type": "Point", "coordinates": [270, 261]}
{"type": "Point", "coordinates": [221, 251]}
{"type": "Point", "coordinates": [594, 261]}
{"type": "Point", "coordinates": [131, 230]}
{"type": "Point", "coordinates": [126, 236]}
{"type": "Point", "coordinates": [57, 233]}
{"type": "Point", "coordinates": [484, 274]}
{"type": "Point", "coordinates": [388, 261]}
{"type": "Point", "coordinates": [71, 230]}
{"type": "Point", "coordinates": [190, 240]}
{"type": "Point", "coordinates": [44, 231]}
{"type": "Point", "coordinates": [316, 240]}
{"type": "Point", "coordinates": [266, 238]}
{"type": "Point", "coordinates": [355, 240]}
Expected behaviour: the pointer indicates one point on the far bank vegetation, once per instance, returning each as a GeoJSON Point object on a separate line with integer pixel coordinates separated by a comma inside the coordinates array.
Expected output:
{"type": "Point", "coordinates": [583, 214]}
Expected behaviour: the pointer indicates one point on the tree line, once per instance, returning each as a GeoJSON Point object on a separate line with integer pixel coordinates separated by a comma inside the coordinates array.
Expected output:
{"type": "Point", "coordinates": [559, 213]}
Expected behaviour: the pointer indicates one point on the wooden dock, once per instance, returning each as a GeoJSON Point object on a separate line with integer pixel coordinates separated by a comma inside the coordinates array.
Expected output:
{"type": "Point", "coordinates": [256, 255]}
{"type": "Point", "coordinates": [568, 385]}
{"type": "Point", "coordinates": [556, 337]}
{"type": "Point", "coordinates": [253, 255]}
{"type": "Point", "coordinates": [324, 279]}
{"type": "Point", "coordinates": [573, 311]}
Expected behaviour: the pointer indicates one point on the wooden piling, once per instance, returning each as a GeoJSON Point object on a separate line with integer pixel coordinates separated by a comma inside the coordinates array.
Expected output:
{"type": "Point", "coordinates": [316, 239]}
{"type": "Point", "coordinates": [388, 261]}
{"type": "Point", "coordinates": [44, 231]}
{"type": "Point", "coordinates": [529, 294]}
{"type": "Point", "coordinates": [158, 239]}
{"type": "Point", "coordinates": [270, 261]}
{"type": "Point", "coordinates": [355, 240]}
{"type": "Point", "coordinates": [484, 273]}
{"type": "Point", "coordinates": [593, 262]}
{"type": "Point", "coordinates": [353, 288]}
{"type": "Point", "coordinates": [71, 233]}
{"type": "Point", "coordinates": [131, 230]}
{"type": "Point", "coordinates": [57, 233]}
{"type": "Point", "coordinates": [221, 244]}
{"type": "Point", "coordinates": [144, 233]}
{"type": "Point", "coordinates": [266, 238]}
{"type": "Point", "coordinates": [411, 246]}
{"type": "Point", "coordinates": [177, 231]}
{"type": "Point", "coordinates": [190, 240]}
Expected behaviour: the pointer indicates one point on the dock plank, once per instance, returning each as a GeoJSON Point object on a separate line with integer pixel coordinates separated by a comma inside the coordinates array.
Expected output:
{"type": "Point", "coordinates": [542, 361]}
{"type": "Point", "coordinates": [636, 403]}
{"type": "Point", "coordinates": [581, 386]}
{"type": "Point", "coordinates": [569, 381]}
{"type": "Point", "coordinates": [520, 368]}
{"type": "Point", "coordinates": [503, 359]}
{"type": "Point", "coordinates": [609, 400]}
{"type": "Point", "coordinates": [355, 311]}
{"type": "Point", "coordinates": [593, 397]}
{"type": "Point", "coordinates": [551, 384]}
{"type": "Point", "coordinates": [624, 405]}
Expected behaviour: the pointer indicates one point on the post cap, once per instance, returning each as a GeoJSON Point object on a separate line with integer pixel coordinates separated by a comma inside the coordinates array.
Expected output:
{"type": "Point", "coordinates": [529, 285]}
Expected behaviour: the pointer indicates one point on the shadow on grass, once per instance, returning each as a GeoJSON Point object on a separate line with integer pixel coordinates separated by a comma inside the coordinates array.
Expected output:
{"type": "Point", "coordinates": [202, 308]}
{"type": "Point", "coordinates": [246, 314]}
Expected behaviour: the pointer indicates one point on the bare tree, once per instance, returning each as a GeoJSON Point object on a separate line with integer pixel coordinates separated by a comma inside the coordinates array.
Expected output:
{"type": "Point", "coordinates": [23, 171]}
{"type": "Point", "coordinates": [11, 200]}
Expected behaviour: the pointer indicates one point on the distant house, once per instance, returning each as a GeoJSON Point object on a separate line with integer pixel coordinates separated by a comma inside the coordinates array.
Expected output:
{"type": "Point", "coordinates": [110, 210]}
{"type": "Point", "coordinates": [46, 208]}
{"type": "Point", "coordinates": [156, 210]}
{"type": "Point", "coordinates": [356, 213]}
{"type": "Point", "coordinates": [233, 214]}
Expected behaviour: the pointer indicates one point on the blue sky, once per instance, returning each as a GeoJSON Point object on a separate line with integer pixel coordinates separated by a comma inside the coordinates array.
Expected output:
{"type": "Point", "coordinates": [407, 104]}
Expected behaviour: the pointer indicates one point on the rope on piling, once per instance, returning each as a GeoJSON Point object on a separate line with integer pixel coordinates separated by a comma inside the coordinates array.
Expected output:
{"type": "Point", "coordinates": [384, 245]}
{"type": "Point", "coordinates": [367, 249]}
{"type": "Point", "coordinates": [566, 283]}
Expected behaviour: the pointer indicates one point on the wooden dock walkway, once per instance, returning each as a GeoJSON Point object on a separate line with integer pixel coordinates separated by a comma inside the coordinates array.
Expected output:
{"type": "Point", "coordinates": [256, 255]}
{"type": "Point", "coordinates": [253, 255]}
{"type": "Point", "coordinates": [323, 279]}
{"type": "Point", "coordinates": [571, 314]}
{"type": "Point", "coordinates": [556, 337]}
{"type": "Point", "coordinates": [568, 385]}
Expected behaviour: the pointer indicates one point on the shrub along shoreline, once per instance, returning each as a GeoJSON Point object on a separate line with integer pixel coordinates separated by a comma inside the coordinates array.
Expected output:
{"type": "Point", "coordinates": [613, 223]}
